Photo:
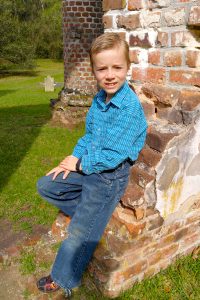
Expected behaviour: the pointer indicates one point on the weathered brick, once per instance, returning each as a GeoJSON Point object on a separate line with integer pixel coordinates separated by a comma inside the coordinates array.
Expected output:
{"type": "Point", "coordinates": [158, 3]}
{"type": "Point", "coordinates": [136, 269]}
{"type": "Point", "coordinates": [161, 94]}
{"type": "Point", "coordinates": [113, 4]}
{"type": "Point", "coordinates": [129, 22]}
{"type": "Point", "coordinates": [172, 58]}
{"type": "Point", "coordinates": [194, 17]}
{"type": "Point", "coordinates": [189, 240]}
{"type": "Point", "coordinates": [185, 77]}
{"type": "Point", "coordinates": [155, 223]}
{"type": "Point", "coordinates": [185, 39]}
{"type": "Point", "coordinates": [139, 213]}
{"type": "Point", "coordinates": [140, 177]}
{"type": "Point", "coordinates": [193, 58]}
{"type": "Point", "coordinates": [134, 56]}
{"type": "Point", "coordinates": [133, 195]}
{"type": "Point", "coordinates": [162, 39]}
{"type": "Point", "coordinates": [107, 21]}
{"type": "Point", "coordinates": [154, 258]}
{"type": "Point", "coordinates": [149, 156]}
{"type": "Point", "coordinates": [149, 74]}
{"type": "Point", "coordinates": [189, 100]}
{"type": "Point", "coordinates": [135, 4]}
{"type": "Point", "coordinates": [141, 39]}
{"type": "Point", "coordinates": [169, 113]}
{"type": "Point", "coordinates": [149, 108]}
{"type": "Point", "coordinates": [169, 251]}
{"type": "Point", "coordinates": [158, 140]}
{"type": "Point", "coordinates": [154, 56]}
{"type": "Point", "coordinates": [175, 17]}
{"type": "Point", "coordinates": [150, 19]}
{"type": "Point", "coordinates": [179, 234]}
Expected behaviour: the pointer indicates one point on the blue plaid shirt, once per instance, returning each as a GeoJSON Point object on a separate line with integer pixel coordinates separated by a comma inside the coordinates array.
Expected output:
{"type": "Point", "coordinates": [115, 131]}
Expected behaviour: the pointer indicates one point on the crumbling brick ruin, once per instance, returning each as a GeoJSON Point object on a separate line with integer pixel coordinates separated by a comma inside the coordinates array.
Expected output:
{"type": "Point", "coordinates": [157, 220]}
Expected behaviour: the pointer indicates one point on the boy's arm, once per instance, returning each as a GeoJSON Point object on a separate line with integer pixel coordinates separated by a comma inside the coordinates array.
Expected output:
{"type": "Point", "coordinates": [127, 132]}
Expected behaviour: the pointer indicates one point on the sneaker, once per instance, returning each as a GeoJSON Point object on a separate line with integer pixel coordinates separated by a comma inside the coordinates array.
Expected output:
{"type": "Point", "coordinates": [47, 285]}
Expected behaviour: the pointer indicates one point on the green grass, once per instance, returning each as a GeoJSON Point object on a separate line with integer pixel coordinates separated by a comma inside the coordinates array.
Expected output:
{"type": "Point", "coordinates": [29, 145]}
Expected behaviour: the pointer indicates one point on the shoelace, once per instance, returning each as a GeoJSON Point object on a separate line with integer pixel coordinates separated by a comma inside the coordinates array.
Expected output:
{"type": "Point", "coordinates": [68, 293]}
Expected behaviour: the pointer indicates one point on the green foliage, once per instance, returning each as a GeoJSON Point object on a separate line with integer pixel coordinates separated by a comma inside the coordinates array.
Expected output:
{"type": "Point", "coordinates": [27, 262]}
{"type": "Point", "coordinates": [29, 29]}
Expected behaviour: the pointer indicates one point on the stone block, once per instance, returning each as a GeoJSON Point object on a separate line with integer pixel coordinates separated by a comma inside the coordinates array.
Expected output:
{"type": "Point", "coordinates": [149, 108]}
{"type": "Point", "coordinates": [185, 77]}
{"type": "Point", "coordinates": [129, 22]}
{"type": "Point", "coordinates": [155, 223]}
{"type": "Point", "coordinates": [194, 17]}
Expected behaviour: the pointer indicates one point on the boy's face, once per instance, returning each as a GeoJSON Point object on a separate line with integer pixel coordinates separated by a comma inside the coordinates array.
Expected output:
{"type": "Point", "coordinates": [110, 69]}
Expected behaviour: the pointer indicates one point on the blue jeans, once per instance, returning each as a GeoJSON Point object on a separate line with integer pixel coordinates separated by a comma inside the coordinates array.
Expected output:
{"type": "Point", "coordinates": [90, 201]}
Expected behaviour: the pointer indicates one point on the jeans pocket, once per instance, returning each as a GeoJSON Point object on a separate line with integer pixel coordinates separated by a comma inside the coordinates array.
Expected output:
{"type": "Point", "coordinates": [104, 178]}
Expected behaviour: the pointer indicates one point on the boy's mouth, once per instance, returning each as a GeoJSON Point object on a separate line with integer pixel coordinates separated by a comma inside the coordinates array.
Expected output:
{"type": "Point", "coordinates": [107, 84]}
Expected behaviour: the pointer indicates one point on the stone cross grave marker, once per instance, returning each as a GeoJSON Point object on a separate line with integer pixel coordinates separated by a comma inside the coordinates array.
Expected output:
{"type": "Point", "coordinates": [49, 84]}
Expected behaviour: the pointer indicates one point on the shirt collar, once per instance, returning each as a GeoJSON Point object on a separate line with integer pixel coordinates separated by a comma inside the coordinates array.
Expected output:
{"type": "Point", "coordinates": [116, 99]}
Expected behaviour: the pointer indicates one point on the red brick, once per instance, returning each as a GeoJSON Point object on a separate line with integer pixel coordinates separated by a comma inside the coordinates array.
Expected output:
{"type": "Point", "coordinates": [154, 258]}
{"type": "Point", "coordinates": [113, 4]}
{"type": "Point", "coordinates": [149, 74]}
{"type": "Point", "coordinates": [108, 21]}
{"type": "Point", "coordinates": [129, 22]}
{"type": "Point", "coordinates": [172, 58]}
{"type": "Point", "coordinates": [139, 213]}
{"type": "Point", "coordinates": [193, 58]}
{"type": "Point", "coordinates": [170, 114]}
{"type": "Point", "coordinates": [189, 100]}
{"type": "Point", "coordinates": [194, 18]}
{"type": "Point", "coordinates": [189, 240]}
{"type": "Point", "coordinates": [169, 251]}
{"type": "Point", "coordinates": [162, 39]}
{"type": "Point", "coordinates": [135, 4]}
{"type": "Point", "coordinates": [185, 77]}
{"type": "Point", "coordinates": [154, 57]}
{"type": "Point", "coordinates": [134, 56]}
{"type": "Point", "coordinates": [158, 140]}
{"type": "Point", "coordinates": [155, 223]}
{"type": "Point", "coordinates": [179, 234]}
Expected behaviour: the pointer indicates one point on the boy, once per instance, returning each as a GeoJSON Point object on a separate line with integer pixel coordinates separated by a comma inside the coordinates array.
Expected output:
{"type": "Point", "coordinates": [88, 184]}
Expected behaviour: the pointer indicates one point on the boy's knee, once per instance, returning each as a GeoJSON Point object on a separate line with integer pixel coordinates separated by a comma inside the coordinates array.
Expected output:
{"type": "Point", "coordinates": [41, 183]}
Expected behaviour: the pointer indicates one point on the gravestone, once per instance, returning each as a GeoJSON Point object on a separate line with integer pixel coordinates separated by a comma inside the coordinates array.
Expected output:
{"type": "Point", "coordinates": [49, 84]}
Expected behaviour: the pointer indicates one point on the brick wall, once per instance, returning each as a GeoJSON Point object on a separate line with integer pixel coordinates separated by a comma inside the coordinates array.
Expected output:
{"type": "Point", "coordinates": [157, 220]}
{"type": "Point", "coordinates": [82, 22]}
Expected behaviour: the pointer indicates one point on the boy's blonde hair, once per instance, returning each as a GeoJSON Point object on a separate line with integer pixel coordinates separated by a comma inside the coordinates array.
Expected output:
{"type": "Point", "coordinates": [108, 41]}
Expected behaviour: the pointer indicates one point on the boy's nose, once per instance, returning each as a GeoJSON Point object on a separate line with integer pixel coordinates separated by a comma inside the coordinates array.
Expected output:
{"type": "Point", "coordinates": [109, 74]}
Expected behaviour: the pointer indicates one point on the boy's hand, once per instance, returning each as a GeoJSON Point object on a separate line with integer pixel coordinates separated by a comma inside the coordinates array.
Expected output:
{"type": "Point", "coordinates": [69, 163]}
{"type": "Point", "coordinates": [58, 170]}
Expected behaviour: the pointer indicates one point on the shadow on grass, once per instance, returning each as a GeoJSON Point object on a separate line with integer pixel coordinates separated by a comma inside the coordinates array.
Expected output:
{"type": "Point", "coordinates": [9, 73]}
{"type": "Point", "coordinates": [5, 92]}
{"type": "Point", "coordinates": [19, 127]}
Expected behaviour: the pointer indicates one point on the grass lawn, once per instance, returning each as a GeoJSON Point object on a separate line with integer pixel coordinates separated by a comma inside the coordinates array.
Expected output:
{"type": "Point", "coordinates": [30, 146]}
